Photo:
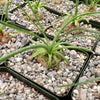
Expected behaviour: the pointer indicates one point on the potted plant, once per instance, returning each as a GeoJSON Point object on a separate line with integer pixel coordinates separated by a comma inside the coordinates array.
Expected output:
{"type": "Point", "coordinates": [36, 5]}
{"type": "Point", "coordinates": [92, 4]}
{"type": "Point", "coordinates": [4, 37]}
{"type": "Point", "coordinates": [51, 50]}
{"type": "Point", "coordinates": [76, 22]}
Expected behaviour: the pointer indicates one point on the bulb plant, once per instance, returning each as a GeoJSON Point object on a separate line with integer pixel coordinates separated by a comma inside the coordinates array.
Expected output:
{"type": "Point", "coordinates": [51, 50]}
{"type": "Point", "coordinates": [4, 37]}
{"type": "Point", "coordinates": [92, 4]}
{"type": "Point", "coordinates": [76, 22]}
{"type": "Point", "coordinates": [36, 5]}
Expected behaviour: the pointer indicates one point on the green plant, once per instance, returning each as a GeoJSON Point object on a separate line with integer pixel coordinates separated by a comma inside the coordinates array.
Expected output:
{"type": "Point", "coordinates": [0, 94]}
{"type": "Point", "coordinates": [75, 23]}
{"type": "Point", "coordinates": [1, 28]}
{"type": "Point", "coordinates": [36, 5]}
{"type": "Point", "coordinates": [45, 47]}
{"type": "Point", "coordinates": [81, 83]}
{"type": "Point", "coordinates": [92, 4]}
{"type": "Point", "coordinates": [4, 16]}
{"type": "Point", "coordinates": [4, 37]}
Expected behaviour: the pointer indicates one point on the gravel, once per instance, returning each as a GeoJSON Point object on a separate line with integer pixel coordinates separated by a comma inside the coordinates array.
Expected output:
{"type": "Point", "coordinates": [97, 50]}
{"type": "Point", "coordinates": [13, 89]}
{"type": "Point", "coordinates": [89, 91]}
{"type": "Point", "coordinates": [49, 78]}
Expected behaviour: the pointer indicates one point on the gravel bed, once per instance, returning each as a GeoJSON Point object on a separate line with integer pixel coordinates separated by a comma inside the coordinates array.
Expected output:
{"type": "Point", "coordinates": [12, 6]}
{"type": "Point", "coordinates": [97, 50]}
{"type": "Point", "coordinates": [20, 18]}
{"type": "Point", "coordinates": [64, 7]}
{"type": "Point", "coordinates": [89, 91]}
{"type": "Point", "coordinates": [13, 89]}
{"type": "Point", "coordinates": [48, 18]}
{"type": "Point", "coordinates": [84, 8]}
{"type": "Point", "coordinates": [49, 78]}
{"type": "Point", "coordinates": [16, 42]}
{"type": "Point", "coordinates": [87, 42]}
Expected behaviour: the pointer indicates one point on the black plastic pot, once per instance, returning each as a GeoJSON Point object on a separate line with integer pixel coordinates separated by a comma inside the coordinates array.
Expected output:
{"type": "Point", "coordinates": [27, 81]}
{"type": "Point", "coordinates": [41, 89]}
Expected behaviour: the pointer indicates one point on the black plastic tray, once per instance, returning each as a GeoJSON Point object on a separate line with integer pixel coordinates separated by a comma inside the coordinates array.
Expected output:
{"type": "Point", "coordinates": [40, 88]}
{"type": "Point", "coordinates": [46, 92]}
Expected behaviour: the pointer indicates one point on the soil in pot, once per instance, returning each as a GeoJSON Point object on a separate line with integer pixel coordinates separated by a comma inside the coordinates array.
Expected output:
{"type": "Point", "coordinates": [56, 1]}
{"type": "Point", "coordinates": [13, 89]}
{"type": "Point", "coordinates": [44, 61]}
{"type": "Point", "coordinates": [51, 78]}
{"type": "Point", "coordinates": [89, 91]}
{"type": "Point", "coordinates": [38, 13]}
{"type": "Point", "coordinates": [97, 50]}
{"type": "Point", "coordinates": [72, 26]}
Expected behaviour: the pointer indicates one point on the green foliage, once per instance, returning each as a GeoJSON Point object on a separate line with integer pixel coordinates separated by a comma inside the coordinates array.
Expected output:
{"type": "Point", "coordinates": [0, 94]}
{"type": "Point", "coordinates": [77, 18]}
{"type": "Point", "coordinates": [81, 83]}
{"type": "Point", "coordinates": [45, 47]}
{"type": "Point", "coordinates": [3, 18]}
{"type": "Point", "coordinates": [92, 3]}
{"type": "Point", "coordinates": [36, 5]}
{"type": "Point", "coordinates": [1, 28]}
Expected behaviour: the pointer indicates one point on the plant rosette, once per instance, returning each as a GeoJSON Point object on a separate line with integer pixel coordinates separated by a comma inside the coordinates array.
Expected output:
{"type": "Point", "coordinates": [92, 4]}
{"type": "Point", "coordinates": [44, 59]}
{"type": "Point", "coordinates": [4, 37]}
{"type": "Point", "coordinates": [49, 78]}
{"type": "Point", "coordinates": [89, 90]}
{"type": "Point", "coordinates": [36, 5]}
{"type": "Point", "coordinates": [84, 41]}
{"type": "Point", "coordinates": [38, 13]}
